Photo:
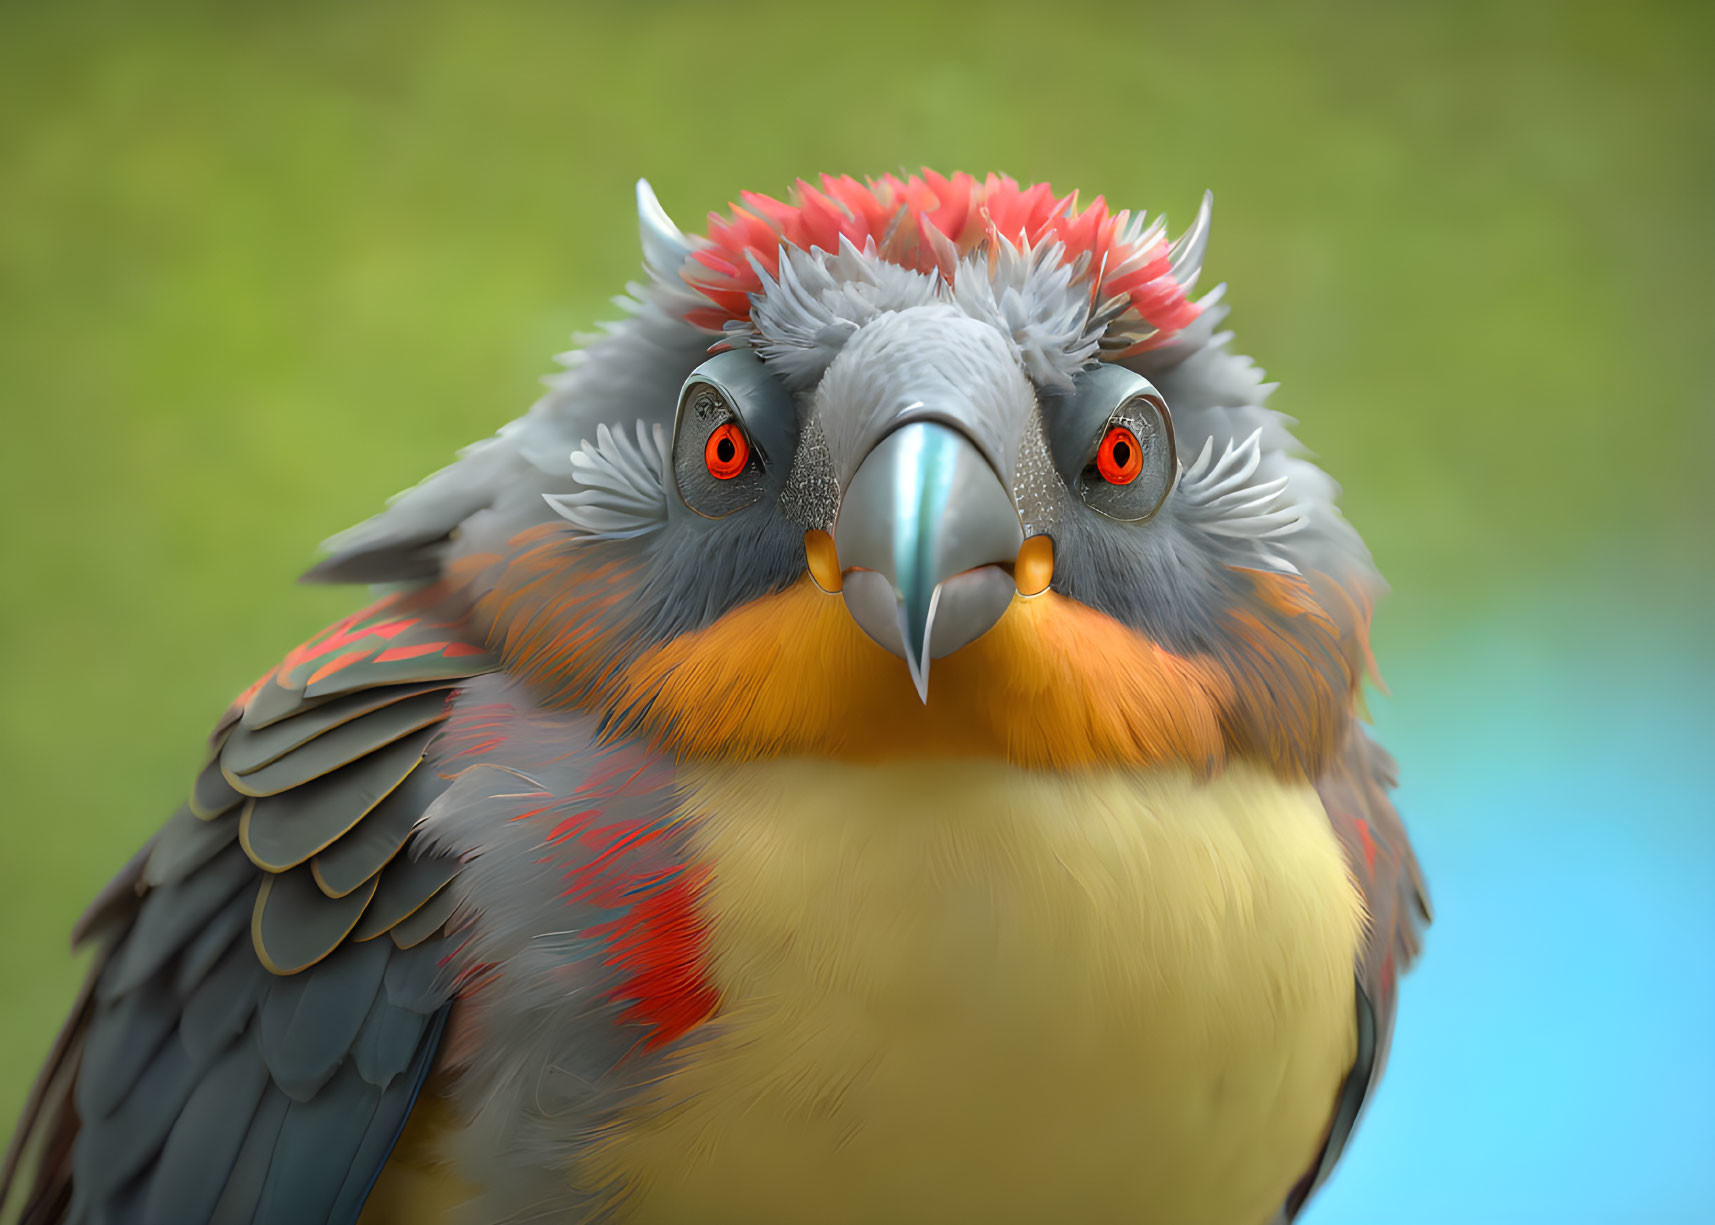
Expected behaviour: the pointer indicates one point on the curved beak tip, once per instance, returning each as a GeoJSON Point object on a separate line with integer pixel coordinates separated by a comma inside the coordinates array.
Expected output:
{"type": "Point", "coordinates": [930, 518]}
{"type": "Point", "coordinates": [916, 631]}
{"type": "Point", "coordinates": [920, 679]}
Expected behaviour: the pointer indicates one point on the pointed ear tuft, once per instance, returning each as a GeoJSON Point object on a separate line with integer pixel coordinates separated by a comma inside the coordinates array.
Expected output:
{"type": "Point", "coordinates": [665, 248]}
{"type": "Point", "coordinates": [1186, 256]}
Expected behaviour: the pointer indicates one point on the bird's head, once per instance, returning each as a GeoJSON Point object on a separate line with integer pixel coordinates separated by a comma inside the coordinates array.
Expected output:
{"type": "Point", "coordinates": [914, 466]}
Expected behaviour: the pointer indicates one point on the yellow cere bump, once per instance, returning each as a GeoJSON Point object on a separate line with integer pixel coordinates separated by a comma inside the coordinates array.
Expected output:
{"type": "Point", "coordinates": [824, 562]}
{"type": "Point", "coordinates": [1034, 569]}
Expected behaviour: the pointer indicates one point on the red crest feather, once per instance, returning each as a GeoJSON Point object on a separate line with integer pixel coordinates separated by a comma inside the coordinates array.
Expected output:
{"type": "Point", "coordinates": [927, 222]}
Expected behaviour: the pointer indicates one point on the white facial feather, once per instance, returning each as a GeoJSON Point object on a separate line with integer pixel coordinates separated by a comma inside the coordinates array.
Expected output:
{"type": "Point", "coordinates": [1220, 496]}
{"type": "Point", "coordinates": [622, 489]}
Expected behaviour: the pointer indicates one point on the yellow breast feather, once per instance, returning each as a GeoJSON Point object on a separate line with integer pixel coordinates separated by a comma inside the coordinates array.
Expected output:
{"type": "Point", "coordinates": [961, 991]}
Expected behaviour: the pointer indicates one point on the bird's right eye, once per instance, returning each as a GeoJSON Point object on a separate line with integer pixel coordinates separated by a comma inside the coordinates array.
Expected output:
{"type": "Point", "coordinates": [726, 452]}
{"type": "Point", "coordinates": [717, 469]}
{"type": "Point", "coordinates": [733, 434]}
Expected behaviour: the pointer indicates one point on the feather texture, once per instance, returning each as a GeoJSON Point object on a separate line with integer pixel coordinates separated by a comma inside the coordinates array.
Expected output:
{"type": "Point", "coordinates": [373, 842]}
{"type": "Point", "coordinates": [264, 1074]}
{"type": "Point", "coordinates": [621, 480]}
{"type": "Point", "coordinates": [1220, 495]}
{"type": "Point", "coordinates": [282, 830]}
{"type": "Point", "coordinates": [184, 845]}
{"type": "Point", "coordinates": [310, 1021]}
{"type": "Point", "coordinates": [223, 1002]}
{"type": "Point", "coordinates": [206, 948]}
{"type": "Point", "coordinates": [405, 886]}
{"type": "Point", "coordinates": [215, 1076]}
{"type": "Point", "coordinates": [204, 1142]}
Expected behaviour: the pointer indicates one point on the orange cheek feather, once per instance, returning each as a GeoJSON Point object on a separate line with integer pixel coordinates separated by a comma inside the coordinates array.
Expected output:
{"type": "Point", "coordinates": [1052, 684]}
{"type": "Point", "coordinates": [1055, 684]}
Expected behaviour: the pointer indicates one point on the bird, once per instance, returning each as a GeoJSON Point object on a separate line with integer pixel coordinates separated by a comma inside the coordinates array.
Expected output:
{"type": "Point", "coordinates": [882, 739]}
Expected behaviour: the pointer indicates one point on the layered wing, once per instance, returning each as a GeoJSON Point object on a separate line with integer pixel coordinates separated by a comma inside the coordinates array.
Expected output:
{"type": "Point", "coordinates": [1354, 791]}
{"type": "Point", "coordinates": [268, 993]}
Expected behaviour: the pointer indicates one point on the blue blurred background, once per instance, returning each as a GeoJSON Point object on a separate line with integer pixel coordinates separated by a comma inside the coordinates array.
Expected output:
{"type": "Point", "coordinates": [261, 266]}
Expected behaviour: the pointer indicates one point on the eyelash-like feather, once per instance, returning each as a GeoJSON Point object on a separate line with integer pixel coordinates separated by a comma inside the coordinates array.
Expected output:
{"type": "Point", "coordinates": [1218, 495]}
{"type": "Point", "coordinates": [624, 491]}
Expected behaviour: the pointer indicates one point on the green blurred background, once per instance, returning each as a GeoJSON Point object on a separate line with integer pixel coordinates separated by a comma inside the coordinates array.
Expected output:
{"type": "Point", "coordinates": [262, 266]}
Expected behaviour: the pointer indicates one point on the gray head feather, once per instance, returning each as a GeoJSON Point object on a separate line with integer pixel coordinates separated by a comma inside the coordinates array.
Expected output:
{"type": "Point", "coordinates": [804, 316]}
{"type": "Point", "coordinates": [1028, 296]}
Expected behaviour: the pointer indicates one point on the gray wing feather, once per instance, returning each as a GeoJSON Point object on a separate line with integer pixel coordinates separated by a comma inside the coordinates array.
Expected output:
{"type": "Point", "coordinates": [243, 1190]}
{"type": "Point", "coordinates": [185, 844]}
{"type": "Point", "coordinates": [350, 744]}
{"type": "Point", "coordinates": [123, 1037]}
{"type": "Point", "coordinates": [427, 921]}
{"type": "Point", "coordinates": [387, 1042]}
{"type": "Point", "coordinates": [281, 831]}
{"type": "Point", "coordinates": [239, 1059]}
{"type": "Point", "coordinates": [138, 1126]}
{"type": "Point", "coordinates": [296, 924]}
{"type": "Point", "coordinates": [211, 794]}
{"type": "Point", "coordinates": [223, 1003]}
{"type": "Point", "coordinates": [390, 1115]}
{"type": "Point", "coordinates": [204, 1143]}
{"type": "Point", "coordinates": [169, 916]}
{"type": "Point", "coordinates": [302, 1184]}
{"type": "Point", "coordinates": [414, 983]}
{"type": "Point", "coordinates": [309, 1021]}
{"type": "Point", "coordinates": [406, 885]}
{"type": "Point", "coordinates": [373, 843]}
{"type": "Point", "coordinates": [247, 750]}
{"type": "Point", "coordinates": [207, 947]}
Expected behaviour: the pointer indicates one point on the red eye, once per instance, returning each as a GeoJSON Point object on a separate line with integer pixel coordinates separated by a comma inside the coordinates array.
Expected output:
{"type": "Point", "coordinates": [1119, 459]}
{"type": "Point", "coordinates": [726, 452]}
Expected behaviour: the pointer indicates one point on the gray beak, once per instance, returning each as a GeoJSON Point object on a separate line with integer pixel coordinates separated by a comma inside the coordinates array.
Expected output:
{"type": "Point", "coordinates": [923, 532]}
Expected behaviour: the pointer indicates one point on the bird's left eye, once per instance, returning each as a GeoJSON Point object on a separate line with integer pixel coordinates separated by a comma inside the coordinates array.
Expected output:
{"type": "Point", "coordinates": [1129, 475]}
{"type": "Point", "coordinates": [1112, 440]}
{"type": "Point", "coordinates": [1119, 458]}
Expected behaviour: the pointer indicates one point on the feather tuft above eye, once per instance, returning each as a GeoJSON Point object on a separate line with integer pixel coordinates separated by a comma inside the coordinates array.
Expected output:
{"type": "Point", "coordinates": [1216, 494]}
{"type": "Point", "coordinates": [622, 483]}
{"type": "Point", "coordinates": [806, 313]}
{"type": "Point", "coordinates": [1027, 294]}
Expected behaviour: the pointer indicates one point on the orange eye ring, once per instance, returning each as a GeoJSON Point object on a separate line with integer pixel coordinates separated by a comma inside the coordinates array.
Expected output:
{"type": "Point", "coordinates": [726, 452]}
{"type": "Point", "coordinates": [1119, 459]}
